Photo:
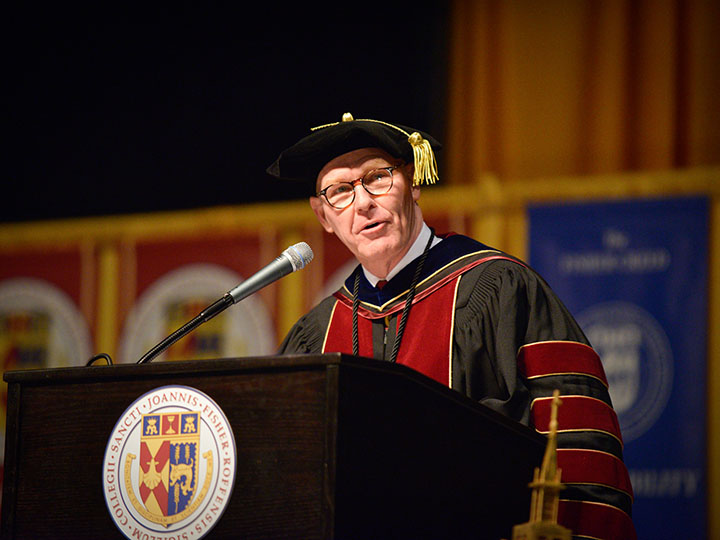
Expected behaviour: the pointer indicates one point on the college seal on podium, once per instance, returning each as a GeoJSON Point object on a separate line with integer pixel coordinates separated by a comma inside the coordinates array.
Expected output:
{"type": "Point", "coordinates": [169, 465]}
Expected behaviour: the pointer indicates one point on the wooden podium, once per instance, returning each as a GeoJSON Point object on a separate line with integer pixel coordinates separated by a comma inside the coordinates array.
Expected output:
{"type": "Point", "coordinates": [328, 446]}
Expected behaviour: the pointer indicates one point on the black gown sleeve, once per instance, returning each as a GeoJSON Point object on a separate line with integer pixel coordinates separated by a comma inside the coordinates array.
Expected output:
{"type": "Point", "coordinates": [502, 306]}
{"type": "Point", "coordinates": [307, 334]}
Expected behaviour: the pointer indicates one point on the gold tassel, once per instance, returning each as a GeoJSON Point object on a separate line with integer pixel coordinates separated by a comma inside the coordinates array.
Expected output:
{"type": "Point", "coordinates": [425, 165]}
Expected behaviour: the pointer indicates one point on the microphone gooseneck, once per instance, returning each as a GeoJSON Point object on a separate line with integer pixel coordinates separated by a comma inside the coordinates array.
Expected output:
{"type": "Point", "coordinates": [292, 259]}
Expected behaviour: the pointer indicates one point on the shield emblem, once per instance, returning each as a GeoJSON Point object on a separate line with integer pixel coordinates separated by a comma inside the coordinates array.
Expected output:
{"type": "Point", "coordinates": [169, 464]}
{"type": "Point", "coordinates": [619, 347]}
{"type": "Point", "coordinates": [205, 342]}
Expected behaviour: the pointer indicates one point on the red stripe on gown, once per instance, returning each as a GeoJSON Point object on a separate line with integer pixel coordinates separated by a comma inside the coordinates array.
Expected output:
{"type": "Point", "coordinates": [596, 520]}
{"type": "Point", "coordinates": [581, 466]}
{"type": "Point", "coordinates": [426, 344]}
{"type": "Point", "coordinates": [577, 413]}
{"type": "Point", "coordinates": [339, 337]}
{"type": "Point", "coordinates": [559, 358]}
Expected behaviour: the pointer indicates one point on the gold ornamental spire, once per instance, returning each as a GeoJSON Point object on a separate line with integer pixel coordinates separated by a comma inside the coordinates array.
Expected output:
{"type": "Point", "coordinates": [545, 486]}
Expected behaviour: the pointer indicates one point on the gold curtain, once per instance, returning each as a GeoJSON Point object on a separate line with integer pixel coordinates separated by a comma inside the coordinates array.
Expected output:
{"type": "Point", "coordinates": [575, 87]}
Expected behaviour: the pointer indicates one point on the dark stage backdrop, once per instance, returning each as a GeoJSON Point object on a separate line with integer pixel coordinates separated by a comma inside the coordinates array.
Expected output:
{"type": "Point", "coordinates": [123, 111]}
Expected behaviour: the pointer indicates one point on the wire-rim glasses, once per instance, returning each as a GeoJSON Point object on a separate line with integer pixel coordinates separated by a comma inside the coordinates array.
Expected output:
{"type": "Point", "coordinates": [342, 194]}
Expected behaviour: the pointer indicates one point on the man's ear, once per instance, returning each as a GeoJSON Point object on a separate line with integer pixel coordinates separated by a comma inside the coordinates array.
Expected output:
{"type": "Point", "coordinates": [409, 173]}
{"type": "Point", "coordinates": [415, 190]}
{"type": "Point", "coordinates": [409, 170]}
{"type": "Point", "coordinates": [319, 208]}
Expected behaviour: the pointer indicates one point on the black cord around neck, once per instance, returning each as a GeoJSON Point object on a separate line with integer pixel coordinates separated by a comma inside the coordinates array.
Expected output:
{"type": "Point", "coordinates": [406, 309]}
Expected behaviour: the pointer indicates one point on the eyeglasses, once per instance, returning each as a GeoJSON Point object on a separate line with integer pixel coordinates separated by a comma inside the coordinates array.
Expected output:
{"type": "Point", "coordinates": [342, 194]}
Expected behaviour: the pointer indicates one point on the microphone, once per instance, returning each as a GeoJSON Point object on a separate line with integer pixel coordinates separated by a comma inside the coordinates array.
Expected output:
{"type": "Point", "coordinates": [292, 259]}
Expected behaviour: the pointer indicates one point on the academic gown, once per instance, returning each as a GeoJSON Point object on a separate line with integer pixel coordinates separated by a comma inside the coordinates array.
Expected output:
{"type": "Point", "coordinates": [485, 324]}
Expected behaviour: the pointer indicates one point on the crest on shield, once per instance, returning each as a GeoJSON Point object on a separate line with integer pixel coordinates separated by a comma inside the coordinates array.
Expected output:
{"type": "Point", "coordinates": [620, 345]}
{"type": "Point", "coordinates": [169, 465]}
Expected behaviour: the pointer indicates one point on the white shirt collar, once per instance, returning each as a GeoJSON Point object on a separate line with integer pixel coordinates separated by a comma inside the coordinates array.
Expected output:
{"type": "Point", "coordinates": [414, 252]}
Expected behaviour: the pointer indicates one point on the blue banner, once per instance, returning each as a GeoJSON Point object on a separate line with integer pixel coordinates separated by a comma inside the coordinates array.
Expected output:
{"type": "Point", "coordinates": [635, 276]}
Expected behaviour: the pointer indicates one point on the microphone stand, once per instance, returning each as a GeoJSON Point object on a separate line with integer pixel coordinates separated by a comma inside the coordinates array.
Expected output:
{"type": "Point", "coordinates": [292, 259]}
{"type": "Point", "coordinates": [205, 315]}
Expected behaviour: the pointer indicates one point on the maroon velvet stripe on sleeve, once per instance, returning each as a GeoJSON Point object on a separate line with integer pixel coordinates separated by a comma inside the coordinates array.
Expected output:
{"type": "Point", "coordinates": [596, 520]}
{"type": "Point", "coordinates": [560, 358]}
{"type": "Point", "coordinates": [576, 413]}
{"type": "Point", "coordinates": [580, 466]}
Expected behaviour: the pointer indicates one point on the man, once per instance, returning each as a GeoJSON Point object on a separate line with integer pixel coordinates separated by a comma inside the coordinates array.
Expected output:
{"type": "Point", "coordinates": [499, 334]}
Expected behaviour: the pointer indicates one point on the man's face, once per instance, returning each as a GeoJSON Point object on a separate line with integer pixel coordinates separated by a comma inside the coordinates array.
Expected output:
{"type": "Point", "coordinates": [377, 229]}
